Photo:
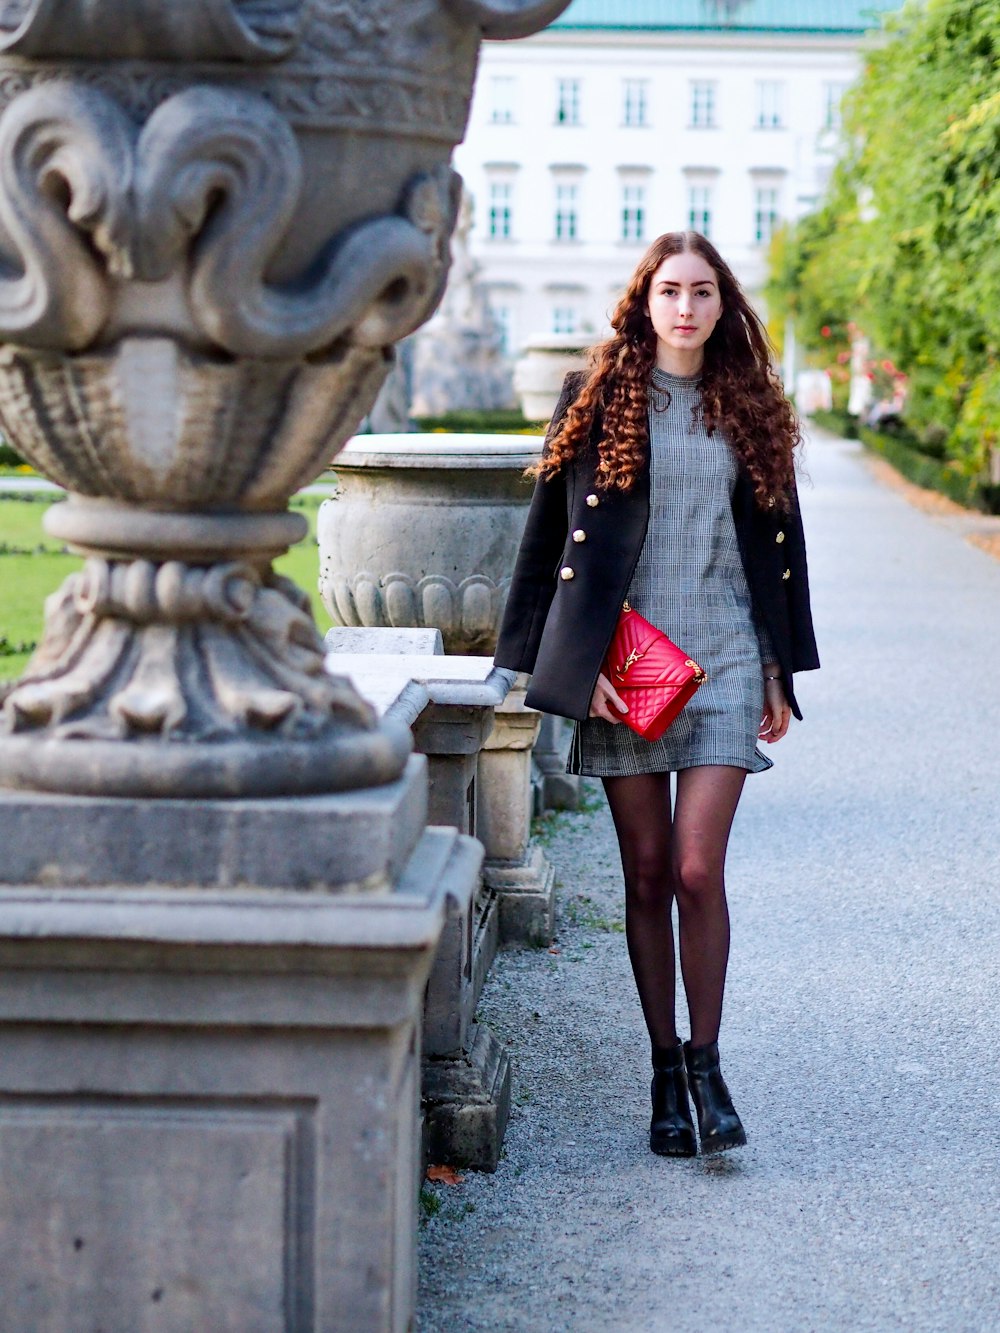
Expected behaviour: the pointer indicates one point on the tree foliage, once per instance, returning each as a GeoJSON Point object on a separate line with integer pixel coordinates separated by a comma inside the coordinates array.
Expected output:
{"type": "Point", "coordinates": [905, 242]}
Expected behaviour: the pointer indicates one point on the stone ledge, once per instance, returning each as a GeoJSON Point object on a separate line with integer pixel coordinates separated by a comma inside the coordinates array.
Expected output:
{"type": "Point", "coordinates": [395, 683]}
{"type": "Point", "coordinates": [355, 840]}
{"type": "Point", "coordinates": [184, 959]}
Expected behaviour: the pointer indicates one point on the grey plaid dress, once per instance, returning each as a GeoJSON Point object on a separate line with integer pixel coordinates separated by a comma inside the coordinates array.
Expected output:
{"type": "Point", "coordinates": [690, 583]}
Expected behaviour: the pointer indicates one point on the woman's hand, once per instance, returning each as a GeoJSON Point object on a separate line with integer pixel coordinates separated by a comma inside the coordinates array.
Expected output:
{"type": "Point", "coordinates": [606, 702]}
{"type": "Point", "coordinates": [777, 713]}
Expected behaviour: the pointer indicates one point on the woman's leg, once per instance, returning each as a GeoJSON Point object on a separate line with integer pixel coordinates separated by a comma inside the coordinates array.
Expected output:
{"type": "Point", "coordinates": [707, 800]}
{"type": "Point", "coordinates": [706, 803]}
{"type": "Point", "coordinates": [640, 808]}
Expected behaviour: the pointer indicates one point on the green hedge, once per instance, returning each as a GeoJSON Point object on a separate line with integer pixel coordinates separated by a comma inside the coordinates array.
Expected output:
{"type": "Point", "coordinates": [922, 469]}
{"type": "Point", "coordinates": [840, 423]}
{"type": "Point", "coordinates": [8, 456]}
{"type": "Point", "coordinates": [499, 422]}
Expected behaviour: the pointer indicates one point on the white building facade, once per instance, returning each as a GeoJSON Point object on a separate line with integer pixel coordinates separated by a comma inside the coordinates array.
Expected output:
{"type": "Point", "coordinates": [628, 118]}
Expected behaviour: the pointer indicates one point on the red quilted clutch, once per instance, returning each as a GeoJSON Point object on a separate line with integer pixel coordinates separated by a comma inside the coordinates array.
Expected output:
{"type": "Point", "coordinates": [652, 675]}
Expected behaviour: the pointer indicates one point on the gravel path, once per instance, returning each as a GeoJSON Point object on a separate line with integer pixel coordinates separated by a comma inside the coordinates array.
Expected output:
{"type": "Point", "coordinates": [860, 1038]}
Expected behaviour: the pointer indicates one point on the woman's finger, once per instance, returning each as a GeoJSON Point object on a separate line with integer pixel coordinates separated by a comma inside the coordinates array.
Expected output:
{"type": "Point", "coordinates": [616, 699]}
{"type": "Point", "coordinates": [606, 703]}
{"type": "Point", "coordinates": [780, 726]}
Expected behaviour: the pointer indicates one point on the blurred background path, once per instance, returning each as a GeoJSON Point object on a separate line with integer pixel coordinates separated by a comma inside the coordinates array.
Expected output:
{"type": "Point", "coordinates": [861, 1032]}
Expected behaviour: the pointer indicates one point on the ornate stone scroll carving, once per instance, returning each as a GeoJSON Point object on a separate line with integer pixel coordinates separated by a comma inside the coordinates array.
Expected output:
{"type": "Point", "coordinates": [228, 155]}
{"type": "Point", "coordinates": [203, 267]}
{"type": "Point", "coordinates": [216, 173]}
{"type": "Point", "coordinates": [507, 18]}
{"type": "Point", "coordinates": [250, 30]}
{"type": "Point", "coordinates": [65, 173]}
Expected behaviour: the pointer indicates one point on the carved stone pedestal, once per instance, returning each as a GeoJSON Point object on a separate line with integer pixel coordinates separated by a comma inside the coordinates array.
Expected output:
{"type": "Point", "coordinates": [209, 1093]}
{"type": "Point", "coordinates": [516, 869]}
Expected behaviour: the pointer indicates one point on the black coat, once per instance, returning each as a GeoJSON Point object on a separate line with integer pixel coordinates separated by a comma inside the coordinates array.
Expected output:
{"type": "Point", "coordinates": [575, 565]}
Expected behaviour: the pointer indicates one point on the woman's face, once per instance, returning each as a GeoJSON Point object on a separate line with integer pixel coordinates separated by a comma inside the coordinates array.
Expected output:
{"type": "Point", "coordinates": [683, 304]}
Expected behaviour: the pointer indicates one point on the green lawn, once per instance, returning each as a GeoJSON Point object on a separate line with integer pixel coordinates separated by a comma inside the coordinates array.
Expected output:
{"type": "Point", "coordinates": [33, 565]}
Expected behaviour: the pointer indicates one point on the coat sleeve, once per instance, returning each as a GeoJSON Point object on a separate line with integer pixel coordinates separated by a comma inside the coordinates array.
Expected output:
{"type": "Point", "coordinates": [805, 656]}
{"type": "Point", "coordinates": [773, 547]}
{"type": "Point", "coordinates": [534, 580]}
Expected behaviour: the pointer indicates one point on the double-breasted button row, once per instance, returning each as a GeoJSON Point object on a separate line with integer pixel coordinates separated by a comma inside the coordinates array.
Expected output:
{"type": "Point", "coordinates": [567, 572]}
{"type": "Point", "coordinates": [593, 501]}
{"type": "Point", "coordinates": [579, 535]}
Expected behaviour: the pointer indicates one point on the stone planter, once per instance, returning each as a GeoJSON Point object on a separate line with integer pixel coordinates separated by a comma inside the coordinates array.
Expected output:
{"type": "Point", "coordinates": [541, 369]}
{"type": "Point", "coordinates": [218, 218]}
{"type": "Point", "coordinates": [423, 531]}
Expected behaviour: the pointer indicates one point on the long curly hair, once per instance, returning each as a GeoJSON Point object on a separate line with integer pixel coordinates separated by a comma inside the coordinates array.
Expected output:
{"type": "Point", "coordinates": [741, 395]}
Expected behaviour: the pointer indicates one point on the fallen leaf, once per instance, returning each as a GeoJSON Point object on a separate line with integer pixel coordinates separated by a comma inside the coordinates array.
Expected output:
{"type": "Point", "coordinates": [447, 1175]}
{"type": "Point", "coordinates": [554, 951]}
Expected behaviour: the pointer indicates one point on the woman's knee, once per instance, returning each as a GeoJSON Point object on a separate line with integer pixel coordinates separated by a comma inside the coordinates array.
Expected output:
{"type": "Point", "coordinates": [648, 877]}
{"type": "Point", "coordinates": [698, 880]}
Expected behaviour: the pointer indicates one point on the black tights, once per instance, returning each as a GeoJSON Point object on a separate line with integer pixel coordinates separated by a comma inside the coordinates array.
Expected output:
{"type": "Point", "coordinates": [680, 857]}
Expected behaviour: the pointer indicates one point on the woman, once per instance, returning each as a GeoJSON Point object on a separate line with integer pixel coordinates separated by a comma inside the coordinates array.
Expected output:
{"type": "Point", "coordinates": [668, 478]}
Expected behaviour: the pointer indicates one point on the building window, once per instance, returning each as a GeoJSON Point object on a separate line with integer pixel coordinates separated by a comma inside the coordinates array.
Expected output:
{"type": "Point", "coordinates": [833, 95]}
{"type": "Point", "coordinates": [568, 102]}
{"type": "Point", "coordinates": [502, 96]}
{"type": "Point", "coordinates": [702, 104]}
{"type": "Point", "coordinates": [564, 319]}
{"type": "Point", "coordinates": [504, 318]}
{"type": "Point", "coordinates": [770, 104]}
{"type": "Point", "coordinates": [633, 212]}
{"type": "Point", "coordinates": [501, 210]}
{"type": "Point", "coordinates": [567, 213]}
{"type": "Point", "coordinates": [636, 102]}
{"type": "Point", "coordinates": [765, 213]}
{"type": "Point", "coordinates": [700, 209]}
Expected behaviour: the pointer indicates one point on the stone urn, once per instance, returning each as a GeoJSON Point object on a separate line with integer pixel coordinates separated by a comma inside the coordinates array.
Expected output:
{"type": "Point", "coordinates": [423, 531]}
{"type": "Point", "coordinates": [541, 368]}
{"type": "Point", "coordinates": [216, 217]}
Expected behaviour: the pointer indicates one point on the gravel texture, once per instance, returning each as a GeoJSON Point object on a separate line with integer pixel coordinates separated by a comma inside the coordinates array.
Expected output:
{"type": "Point", "coordinates": [860, 1035]}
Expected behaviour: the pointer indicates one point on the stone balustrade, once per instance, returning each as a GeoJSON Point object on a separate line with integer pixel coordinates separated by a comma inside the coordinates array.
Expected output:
{"type": "Point", "coordinates": [450, 703]}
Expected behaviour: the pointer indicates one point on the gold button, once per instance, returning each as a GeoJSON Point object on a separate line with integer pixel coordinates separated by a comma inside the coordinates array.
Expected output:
{"type": "Point", "coordinates": [566, 573]}
{"type": "Point", "coordinates": [593, 501]}
{"type": "Point", "coordinates": [780, 538]}
{"type": "Point", "coordinates": [579, 535]}
{"type": "Point", "coordinates": [787, 574]}
{"type": "Point", "coordinates": [770, 502]}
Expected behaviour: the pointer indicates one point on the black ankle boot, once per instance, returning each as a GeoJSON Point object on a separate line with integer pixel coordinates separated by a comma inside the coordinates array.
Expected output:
{"type": "Point", "coordinates": [671, 1130]}
{"type": "Point", "coordinates": [719, 1126]}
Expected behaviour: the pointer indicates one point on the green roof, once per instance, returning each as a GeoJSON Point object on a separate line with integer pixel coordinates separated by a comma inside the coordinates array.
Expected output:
{"type": "Point", "coordinates": [824, 16]}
